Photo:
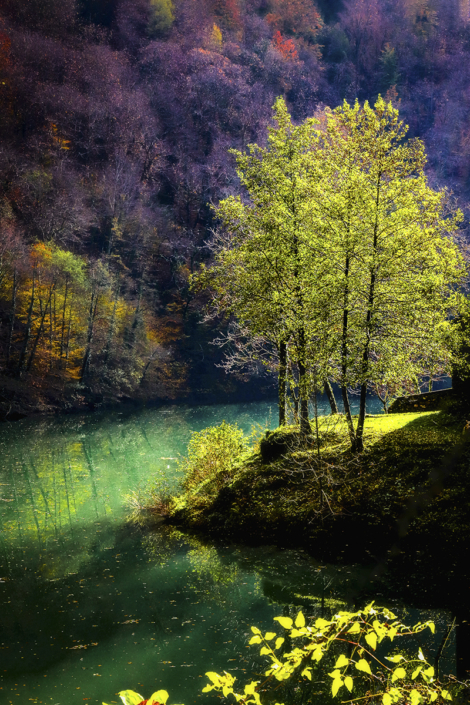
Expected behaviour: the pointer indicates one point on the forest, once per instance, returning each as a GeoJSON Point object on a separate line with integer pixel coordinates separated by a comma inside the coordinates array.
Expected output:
{"type": "Point", "coordinates": [116, 120]}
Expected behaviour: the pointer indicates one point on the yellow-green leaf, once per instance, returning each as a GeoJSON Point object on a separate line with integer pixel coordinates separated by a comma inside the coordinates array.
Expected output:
{"type": "Point", "coordinates": [371, 639]}
{"type": "Point", "coordinates": [395, 659]}
{"type": "Point", "coordinates": [429, 672]}
{"type": "Point", "coordinates": [336, 685]}
{"type": "Point", "coordinates": [446, 695]}
{"type": "Point", "coordinates": [355, 629]}
{"type": "Point", "coordinates": [433, 697]}
{"type": "Point", "coordinates": [160, 696]}
{"type": "Point", "coordinates": [416, 697]}
{"type": "Point", "coordinates": [317, 654]}
{"type": "Point", "coordinates": [264, 651]}
{"type": "Point", "coordinates": [307, 673]}
{"type": "Point", "coordinates": [285, 622]}
{"type": "Point", "coordinates": [398, 673]}
{"type": "Point", "coordinates": [279, 642]}
{"type": "Point", "coordinates": [321, 623]}
{"type": "Point", "coordinates": [300, 620]}
{"type": "Point", "coordinates": [342, 661]}
{"type": "Point", "coordinates": [348, 682]}
{"type": "Point", "coordinates": [250, 688]}
{"type": "Point", "coordinates": [362, 665]}
{"type": "Point", "coordinates": [386, 699]}
{"type": "Point", "coordinates": [269, 635]}
{"type": "Point", "coordinates": [416, 672]}
{"type": "Point", "coordinates": [255, 630]}
{"type": "Point", "coordinates": [255, 640]}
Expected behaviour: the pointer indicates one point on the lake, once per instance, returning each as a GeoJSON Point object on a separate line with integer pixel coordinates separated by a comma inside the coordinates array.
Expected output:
{"type": "Point", "coordinates": [92, 604]}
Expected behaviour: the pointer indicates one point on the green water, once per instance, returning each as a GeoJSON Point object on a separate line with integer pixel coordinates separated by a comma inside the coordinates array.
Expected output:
{"type": "Point", "coordinates": [92, 604]}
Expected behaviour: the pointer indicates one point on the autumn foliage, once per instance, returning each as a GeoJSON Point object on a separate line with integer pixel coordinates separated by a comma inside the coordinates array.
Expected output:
{"type": "Point", "coordinates": [285, 47]}
{"type": "Point", "coordinates": [115, 123]}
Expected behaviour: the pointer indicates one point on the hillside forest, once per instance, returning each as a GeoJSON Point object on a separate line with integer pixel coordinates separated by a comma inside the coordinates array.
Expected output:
{"type": "Point", "coordinates": [116, 120]}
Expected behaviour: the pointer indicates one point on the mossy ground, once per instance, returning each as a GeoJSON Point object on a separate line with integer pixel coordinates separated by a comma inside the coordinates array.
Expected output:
{"type": "Point", "coordinates": [407, 495]}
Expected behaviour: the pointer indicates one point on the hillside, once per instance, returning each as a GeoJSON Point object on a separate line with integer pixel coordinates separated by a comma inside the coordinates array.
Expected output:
{"type": "Point", "coordinates": [115, 122]}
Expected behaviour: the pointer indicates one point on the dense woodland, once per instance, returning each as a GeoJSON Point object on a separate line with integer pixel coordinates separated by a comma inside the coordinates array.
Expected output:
{"type": "Point", "coordinates": [116, 117]}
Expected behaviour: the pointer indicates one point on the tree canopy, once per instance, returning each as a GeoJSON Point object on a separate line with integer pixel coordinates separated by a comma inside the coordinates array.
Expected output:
{"type": "Point", "coordinates": [340, 248]}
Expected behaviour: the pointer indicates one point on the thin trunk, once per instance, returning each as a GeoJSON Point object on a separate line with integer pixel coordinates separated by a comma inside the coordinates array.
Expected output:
{"type": "Point", "coordinates": [135, 322]}
{"type": "Point", "coordinates": [344, 359]}
{"type": "Point", "coordinates": [366, 351]}
{"type": "Point", "coordinates": [27, 334]}
{"type": "Point", "coordinates": [91, 324]}
{"type": "Point", "coordinates": [292, 385]}
{"type": "Point", "coordinates": [12, 314]}
{"type": "Point", "coordinates": [282, 381]}
{"type": "Point", "coordinates": [39, 332]}
{"type": "Point", "coordinates": [317, 433]}
{"type": "Point", "coordinates": [62, 335]}
{"type": "Point", "coordinates": [67, 344]}
{"type": "Point", "coordinates": [331, 396]}
{"type": "Point", "coordinates": [112, 327]}
{"type": "Point", "coordinates": [303, 386]}
{"type": "Point", "coordinates": [51, 327]}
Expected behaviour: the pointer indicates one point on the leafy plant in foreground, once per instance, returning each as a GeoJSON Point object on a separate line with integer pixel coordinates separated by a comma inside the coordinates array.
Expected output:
{"type": "Point", "coordinates": [352, 639]}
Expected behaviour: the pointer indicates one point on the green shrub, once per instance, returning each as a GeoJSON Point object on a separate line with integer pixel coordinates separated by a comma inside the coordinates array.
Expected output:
{"type": "Point", "coordinates": [213, 454]}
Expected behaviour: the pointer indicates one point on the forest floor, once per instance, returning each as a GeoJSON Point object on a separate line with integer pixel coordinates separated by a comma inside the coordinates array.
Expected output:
{"type": "Point", "coordinates": [405, 499]}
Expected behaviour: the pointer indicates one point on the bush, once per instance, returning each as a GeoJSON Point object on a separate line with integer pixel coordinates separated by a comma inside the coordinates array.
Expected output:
{"type": "Point", "coordinates": [212, 457]}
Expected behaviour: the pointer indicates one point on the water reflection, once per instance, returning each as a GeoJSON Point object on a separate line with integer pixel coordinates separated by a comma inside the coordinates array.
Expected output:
{"type": "Point", "coordinates": [91, 604]}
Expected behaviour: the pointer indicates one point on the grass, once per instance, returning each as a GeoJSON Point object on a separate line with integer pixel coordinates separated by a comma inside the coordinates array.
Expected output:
{"type": "Point", "coordinates": [407, 494]}
{"type": "Point", "coordinates": [298, 491]}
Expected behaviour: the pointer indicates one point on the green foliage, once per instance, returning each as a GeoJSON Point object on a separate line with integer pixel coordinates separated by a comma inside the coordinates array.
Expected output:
{"type": "Point", "coordinates": [161, 18]}
{"type": "Point", "coordinates": [348, 649]}
{"type": "Point", "coordinates": [350, 640]}
{"type": "Point", "coordinates": [212, 456]}
{"type": "Point", "coordinates": [343, 251]}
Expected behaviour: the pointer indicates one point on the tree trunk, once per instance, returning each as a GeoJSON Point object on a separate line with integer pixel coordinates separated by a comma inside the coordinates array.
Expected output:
{"type": "Point", "coordinates": [12, 314]}
{"type": "Point", "coordinates": [282, 382]}
{"type": "Point", "coordinates": [361, 419]}
{"type": "Point", "coordinates": [135, 322]}
{"type": "Point", "coordinates": [111, 329]}
{"type": "Point", "coordinates": [303, 385]}
{"type": "Point", "coordinates": [39, 332]}
{"type": "Point", "coordinates": [67, 342]}
{"type": "Point", "coordinates": [27, 334]}
{"type": "Point", "coordinates": [91, 325]}
{"type": "Point", "coordinates": [62, 335]}
{"type": "Point", "coordinates": [366, 351]}
{"type": "Point", "coordinates": [331, 397]}
{"type": "Point", "coordinates": [51, 330]}
{"type": "Point", "coordinates": [344, 359]}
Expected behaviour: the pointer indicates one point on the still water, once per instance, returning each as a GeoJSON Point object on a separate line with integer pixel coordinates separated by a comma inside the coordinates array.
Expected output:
{"type": "Point", "coordinates": [91, 604]}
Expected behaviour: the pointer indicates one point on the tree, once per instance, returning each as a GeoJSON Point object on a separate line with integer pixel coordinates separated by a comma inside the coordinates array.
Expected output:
{"type": "Point", "coordinates": [161, 17]}
{"type": "Point", "coordinates": [263, 268]}
{"type": "Point", "coordinates": [393, 267]}
{"type": "Point", "coordinates": [343, 250]}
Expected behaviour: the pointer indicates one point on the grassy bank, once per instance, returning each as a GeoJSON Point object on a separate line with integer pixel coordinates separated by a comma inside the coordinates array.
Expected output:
{"type": "Point", "coordinates": [406, 496]}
